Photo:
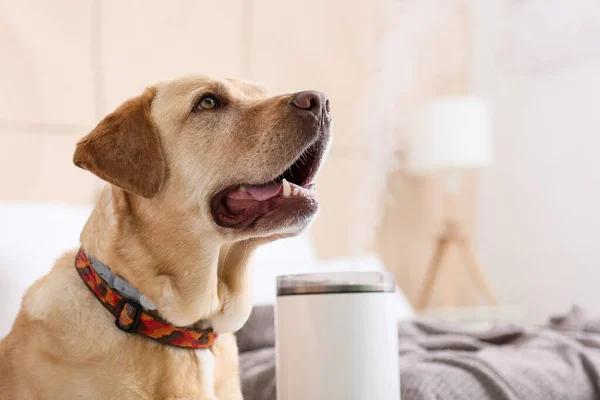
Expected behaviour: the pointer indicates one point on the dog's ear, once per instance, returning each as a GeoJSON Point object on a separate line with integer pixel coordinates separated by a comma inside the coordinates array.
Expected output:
{"type": "Point", "coordinates": [124, 149]}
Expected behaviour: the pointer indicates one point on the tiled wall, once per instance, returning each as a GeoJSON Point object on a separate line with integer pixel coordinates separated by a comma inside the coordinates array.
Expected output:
{"type": "Point", "coordinates": [75, 61]}
{"type": "Point", "coordinates": [68, 63]}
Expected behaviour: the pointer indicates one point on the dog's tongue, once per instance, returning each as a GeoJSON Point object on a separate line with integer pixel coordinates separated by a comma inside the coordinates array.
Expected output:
{"type": "Point", "coordinates": [255, 192]}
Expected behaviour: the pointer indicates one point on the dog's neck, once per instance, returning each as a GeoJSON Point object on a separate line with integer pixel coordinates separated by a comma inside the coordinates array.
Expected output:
{"type": "Point", "coordinates": [164, 255]}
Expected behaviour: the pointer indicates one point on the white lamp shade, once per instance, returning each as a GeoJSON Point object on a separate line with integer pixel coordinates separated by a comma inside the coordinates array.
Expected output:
{"type": "Point", "coordinates": [450, 133]}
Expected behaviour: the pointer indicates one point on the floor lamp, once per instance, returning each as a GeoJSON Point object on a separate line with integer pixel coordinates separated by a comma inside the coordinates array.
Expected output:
{"type": "Point", "coordinates": [451, 135]}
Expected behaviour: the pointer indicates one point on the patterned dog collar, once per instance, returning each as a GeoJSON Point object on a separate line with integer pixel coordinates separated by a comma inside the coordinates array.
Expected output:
{"type": "Point", "coordinates": [130, 316]}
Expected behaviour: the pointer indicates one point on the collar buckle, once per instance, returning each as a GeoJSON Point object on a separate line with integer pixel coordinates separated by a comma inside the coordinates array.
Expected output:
{"type": "Point", "coordinates": [125, 321]}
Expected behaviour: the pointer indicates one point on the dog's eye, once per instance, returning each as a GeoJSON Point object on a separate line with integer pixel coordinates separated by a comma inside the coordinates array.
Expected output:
{"type": "Point", "coordinates": [207, 103]}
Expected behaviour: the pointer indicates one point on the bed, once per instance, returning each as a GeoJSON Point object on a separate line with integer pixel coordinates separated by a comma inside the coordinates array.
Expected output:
{"type": "Point", "coordinates": [559, 361]}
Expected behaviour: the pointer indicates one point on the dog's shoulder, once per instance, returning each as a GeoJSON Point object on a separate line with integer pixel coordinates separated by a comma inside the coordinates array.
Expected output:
{"type": "Point", "coordinates": [60, 291]}
{"type": "Point", "coordinates": [58, 308]}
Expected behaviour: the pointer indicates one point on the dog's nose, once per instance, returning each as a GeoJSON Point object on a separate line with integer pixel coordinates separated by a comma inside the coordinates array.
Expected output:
{"type": "Point", "coordinates": [313, 101]}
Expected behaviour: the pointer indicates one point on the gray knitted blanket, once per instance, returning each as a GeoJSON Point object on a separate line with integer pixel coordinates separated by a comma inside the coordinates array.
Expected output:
{"type": "Point", "coordinates": [560, 361]}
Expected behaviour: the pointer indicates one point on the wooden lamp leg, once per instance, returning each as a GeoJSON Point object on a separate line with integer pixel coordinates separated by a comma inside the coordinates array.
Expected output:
{"type": "Point", "coordinates": [452, 234]}
{"type": "Point", "coordinates": [433, 272]}
{"type": "Point", "coordinates": [475, 270]}
{"type": "Point", "coordinates": [449, 286]}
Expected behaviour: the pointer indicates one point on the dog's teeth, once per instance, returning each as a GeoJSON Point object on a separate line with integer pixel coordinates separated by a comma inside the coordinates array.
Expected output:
{"type": "Point", "coordinates": [287, 189]}
{"type": "Point", "coordinates": [295, 192]}
{"type": "Point", "coordinates": [243, 188]}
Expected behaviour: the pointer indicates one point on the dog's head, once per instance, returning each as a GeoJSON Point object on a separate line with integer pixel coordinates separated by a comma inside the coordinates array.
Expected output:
{"type": "Point", "coordinates": [244, 161]}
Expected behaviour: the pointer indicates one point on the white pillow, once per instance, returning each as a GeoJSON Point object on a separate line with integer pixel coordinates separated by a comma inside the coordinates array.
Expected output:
{"type": "Point", "coordinates": [298, 256]}
{"type": "Point", "coordinates": [283, 257]}
{"type": "Point", "coordinates": [32, 237]}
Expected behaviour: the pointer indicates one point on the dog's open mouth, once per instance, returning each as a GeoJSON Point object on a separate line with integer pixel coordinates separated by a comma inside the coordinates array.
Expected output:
{"type": "Point", "coordinates": [240, 206]}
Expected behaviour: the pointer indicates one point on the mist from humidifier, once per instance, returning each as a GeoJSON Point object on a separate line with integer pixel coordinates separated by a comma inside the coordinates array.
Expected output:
{"type": "Point", "coordinates": [378, 133]}
{"type": "Point", "coordinates": [413, 50]}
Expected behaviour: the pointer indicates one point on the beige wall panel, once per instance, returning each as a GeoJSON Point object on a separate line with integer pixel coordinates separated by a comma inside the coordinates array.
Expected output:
{"type": "Point", "coordinates": [333, 225]}
{"type": "Point", "coordinates": [37, 167]}
{"type": "Point", "coordinates": [314, 44]}
{"type": "Point", "coordinates": [45, 73]}
{"type": "Point", "coordinates": [147, 41]}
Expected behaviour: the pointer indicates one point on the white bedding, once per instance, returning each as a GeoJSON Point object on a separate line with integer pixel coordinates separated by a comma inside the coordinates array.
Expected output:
{"type": "Point", "coordinates": [32, 237]}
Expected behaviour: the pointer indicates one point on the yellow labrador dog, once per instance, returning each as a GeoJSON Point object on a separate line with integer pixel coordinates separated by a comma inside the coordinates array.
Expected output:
{"type": "Point", "coordinates": [201, 170]}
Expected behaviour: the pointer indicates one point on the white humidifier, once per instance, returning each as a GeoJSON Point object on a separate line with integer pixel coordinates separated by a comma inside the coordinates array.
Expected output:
{"type": "Point", "coordinates": [337, 337]}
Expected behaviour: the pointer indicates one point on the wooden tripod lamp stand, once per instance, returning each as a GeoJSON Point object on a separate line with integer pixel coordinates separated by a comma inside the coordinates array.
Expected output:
{"type": "Point", "coordinates": [451, 135]}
